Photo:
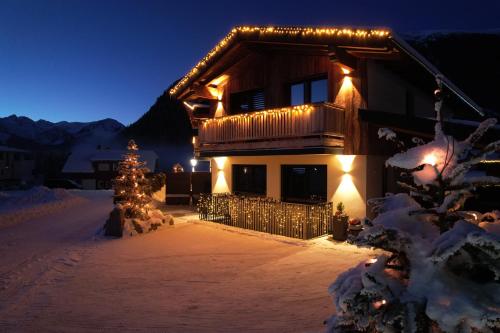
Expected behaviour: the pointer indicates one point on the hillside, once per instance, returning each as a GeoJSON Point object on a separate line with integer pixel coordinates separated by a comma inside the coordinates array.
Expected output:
{"type": "Point", "coordinates": [470, 60]}
{"type": "Point", "coordinates": [23, 132]}
{"type": "Point", "coordinates": [166, 122]}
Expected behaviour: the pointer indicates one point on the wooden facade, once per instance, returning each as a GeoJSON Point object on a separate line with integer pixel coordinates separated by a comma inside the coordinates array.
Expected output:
{"type": "Point", "coordinates": [240, 98]}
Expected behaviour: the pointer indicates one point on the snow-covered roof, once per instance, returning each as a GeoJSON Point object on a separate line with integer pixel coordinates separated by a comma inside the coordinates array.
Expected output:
{"type": "Point", "coordinates": [81, 161]}
{"type": "Point", "coordinates": [10, 149]}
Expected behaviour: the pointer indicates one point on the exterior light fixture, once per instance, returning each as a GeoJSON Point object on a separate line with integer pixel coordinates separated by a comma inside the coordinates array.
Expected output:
{"type": "Point", "coordinates": [193, 162]}
{"type": "Point", "coordinates": [346, 71]}
{"type": "Point", "coordinates": [430, 159]}
{"type": "Point", "coordinates": [346, 162]}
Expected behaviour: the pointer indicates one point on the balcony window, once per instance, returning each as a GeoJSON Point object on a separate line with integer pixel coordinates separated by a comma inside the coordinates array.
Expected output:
{"type": "Point", "coordinates": [309, 91]}
{"type": "Point", "coordinates": [246, 101]}
{"type": "Point", "coordinates": [249, 179]}
{"type": "Point", "coordinates": [303, 183]}
{"type": "Point", "coordinates": [297, 94]}
{"type": "Point", "coordinates": [319, 91]}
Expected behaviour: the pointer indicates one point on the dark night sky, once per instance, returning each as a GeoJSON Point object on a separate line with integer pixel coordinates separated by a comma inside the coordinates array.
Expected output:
{"type": "Point", "coordinates": [83, 60]}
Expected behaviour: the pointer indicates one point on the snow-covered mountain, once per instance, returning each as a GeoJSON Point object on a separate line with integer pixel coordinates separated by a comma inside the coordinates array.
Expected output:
{"type": "Point", "coordinates": [19, 130]}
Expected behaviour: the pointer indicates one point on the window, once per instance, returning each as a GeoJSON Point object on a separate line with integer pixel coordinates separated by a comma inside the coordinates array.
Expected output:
{"type": "Point", "coordinates": [309, 91]}
{"type": "Point", "coordinates": [249, 179]}
{"type": "Point", "coordinates": [297, 94]}
{"type": "Point", "coordinates": [103, 184]}
{"type": "Point", "coordinates": [103, 167]}
{"type": "Point", "coordinates": [247, 101]}
{"type": "Point", "coordinates": [303, 183]}
{"type": "Point", "coordinates": [319, 91]}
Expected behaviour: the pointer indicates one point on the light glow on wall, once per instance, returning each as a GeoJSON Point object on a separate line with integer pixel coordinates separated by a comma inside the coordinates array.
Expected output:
{"type": "Point", "coordinates": [216, 89]}
{"type": "Point", "coordinates": [221, 185]}
{"type": "Point", "coordinates": [346, 162]}
{"type": "Point", "coordinates": [220, 162]}
{"type": "Point", "coordinates": [347, 193]}
{"type": "Point", "coordinates": [346, 91]}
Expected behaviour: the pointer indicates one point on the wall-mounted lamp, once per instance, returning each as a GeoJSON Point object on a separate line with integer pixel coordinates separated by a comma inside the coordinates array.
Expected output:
{"type": "Point", "coordinates": [346, 162]}
{"type": "Point", "coordinates": [220, 162]}
{"type": "Point", "coordinates": [346, 71]}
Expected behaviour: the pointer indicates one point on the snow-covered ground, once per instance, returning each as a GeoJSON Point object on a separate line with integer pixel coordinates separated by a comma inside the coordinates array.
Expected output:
{"type": "Point", "coordinates": [58, 275]}
{"type": "Point", "coordinates": [19, 206]}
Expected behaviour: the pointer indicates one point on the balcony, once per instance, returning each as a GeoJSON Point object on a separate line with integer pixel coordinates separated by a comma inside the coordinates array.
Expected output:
{"type": "Point", "coordinates": [312, 127]}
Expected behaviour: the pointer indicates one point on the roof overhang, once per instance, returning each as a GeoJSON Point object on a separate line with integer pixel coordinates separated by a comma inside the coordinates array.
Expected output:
{"type": "Point", "coordinates": [361, 43]}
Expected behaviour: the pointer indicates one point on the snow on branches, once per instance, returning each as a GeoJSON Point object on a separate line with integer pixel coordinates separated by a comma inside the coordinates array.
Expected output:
{"type": "Point", "coordinates": [440, 271]}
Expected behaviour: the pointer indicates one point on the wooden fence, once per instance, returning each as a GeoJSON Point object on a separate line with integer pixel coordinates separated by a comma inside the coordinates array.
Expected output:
{"type": "Point", "coordinates": [303, 221]}
{"type": "Point", "coordinates": [185, 187]}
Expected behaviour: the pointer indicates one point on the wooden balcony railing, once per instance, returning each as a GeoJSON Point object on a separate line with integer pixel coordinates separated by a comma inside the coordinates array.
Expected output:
{"type": "Point", "coordinates": [291, 122]}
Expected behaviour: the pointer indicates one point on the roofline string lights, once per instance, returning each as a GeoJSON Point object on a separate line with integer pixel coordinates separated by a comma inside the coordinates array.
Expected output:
{"type": "Point", "coordinates": [275, 31]}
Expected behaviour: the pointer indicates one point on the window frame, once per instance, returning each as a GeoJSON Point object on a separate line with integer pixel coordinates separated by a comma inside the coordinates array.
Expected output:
{"type": "Point", "coordinates": [248, 95]}
{"type": "Point", "coordinates": [288, 196]}
{"type": "Point", "coordinates": [247, 192]}
{"type": "Point", "coordinates": [307, 93]}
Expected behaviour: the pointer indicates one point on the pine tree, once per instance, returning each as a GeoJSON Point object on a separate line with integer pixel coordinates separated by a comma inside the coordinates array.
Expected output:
{"type": "Point", "coordinates": [440, 271]}
{"type": "Point", "coordinates": [131, 185]}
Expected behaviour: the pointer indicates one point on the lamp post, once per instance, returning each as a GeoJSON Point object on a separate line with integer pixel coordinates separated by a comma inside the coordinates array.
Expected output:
{"type": "Point", "coordinates": [194, 162]}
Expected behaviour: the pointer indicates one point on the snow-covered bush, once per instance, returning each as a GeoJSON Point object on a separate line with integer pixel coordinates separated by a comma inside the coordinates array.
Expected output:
{"type": "Point", "coordinates": [441, 267]}
{"type": "Point", "coordinates": [135, 226]}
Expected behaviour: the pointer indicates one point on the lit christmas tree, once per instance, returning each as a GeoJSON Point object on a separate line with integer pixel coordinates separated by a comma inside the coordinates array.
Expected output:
{"type": "Point", "coordinates": [440, 271]}
{"type": "Point", "coordinates": [131, 184]}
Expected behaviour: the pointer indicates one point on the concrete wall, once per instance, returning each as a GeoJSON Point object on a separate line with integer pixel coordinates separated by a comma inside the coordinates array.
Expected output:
{"type": "Point", "coordinates": [348, 187]}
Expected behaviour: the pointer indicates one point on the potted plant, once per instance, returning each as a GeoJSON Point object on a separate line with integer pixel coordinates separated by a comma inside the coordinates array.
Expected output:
{"type": "Point", "coordinates": [339, 225]}
{"type": "Point", "coordinates": [355, 227]}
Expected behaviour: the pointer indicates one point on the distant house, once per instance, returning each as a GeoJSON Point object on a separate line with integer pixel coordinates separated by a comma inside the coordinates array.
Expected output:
{"type": "Point", "coordinates": [292, 113]}
{"type": "Point", "coordinates": [95, 169]}
{"type": "Point", "coordinates": [16, 166]}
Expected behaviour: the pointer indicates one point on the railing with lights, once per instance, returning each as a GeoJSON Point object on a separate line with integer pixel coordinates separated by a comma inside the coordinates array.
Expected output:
{"type": "Point", "coordinates": [303, 221]}
{"type": "Point", "coordinates": [296, 121]}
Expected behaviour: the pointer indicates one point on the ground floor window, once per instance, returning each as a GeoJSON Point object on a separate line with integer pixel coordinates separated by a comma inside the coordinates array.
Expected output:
{"type": "Point", "coordinates": [103, 184]}
{"type": "Point", "coordinates": [249, 179]}
{"type": "Point", "coordinates": [303, 183]}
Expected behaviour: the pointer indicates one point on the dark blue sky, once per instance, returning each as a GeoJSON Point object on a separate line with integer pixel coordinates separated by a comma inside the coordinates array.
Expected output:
{"type": "Point", "coordinates": [83, 60]}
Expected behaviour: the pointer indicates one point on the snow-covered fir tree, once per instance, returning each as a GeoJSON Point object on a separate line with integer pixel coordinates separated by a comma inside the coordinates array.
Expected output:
{"type": "Point", "coordinates": [439, 270]}
{"type": "Point", "coordinates": [131, 185]}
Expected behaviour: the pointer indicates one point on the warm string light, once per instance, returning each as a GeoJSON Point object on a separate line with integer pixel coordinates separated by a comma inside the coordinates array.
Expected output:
{"type": "Point", "coordinates": [129, 185]}
{"type": "Point", "coordinates": [299, 109]}
{"type": "Point", "coordinates": [274, 32]}
{"type": "Point", "coordinates": [266, 214]}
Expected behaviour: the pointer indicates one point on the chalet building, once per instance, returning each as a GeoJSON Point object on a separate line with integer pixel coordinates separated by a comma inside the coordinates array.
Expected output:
{"type": "Point", "coordinates": [95, 169]}
{"type": "Point", "coordinates": [292, 113]}
{"type": "Point", "coordinates": [16, 167]}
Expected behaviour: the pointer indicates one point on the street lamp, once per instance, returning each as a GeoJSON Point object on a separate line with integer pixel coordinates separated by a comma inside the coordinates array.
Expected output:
{"type": "Point", "coordinates": [194, 162]}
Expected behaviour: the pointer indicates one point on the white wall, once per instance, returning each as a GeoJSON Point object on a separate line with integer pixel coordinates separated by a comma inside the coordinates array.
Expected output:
{"type": "Point", "coordinates": [350, 188]}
